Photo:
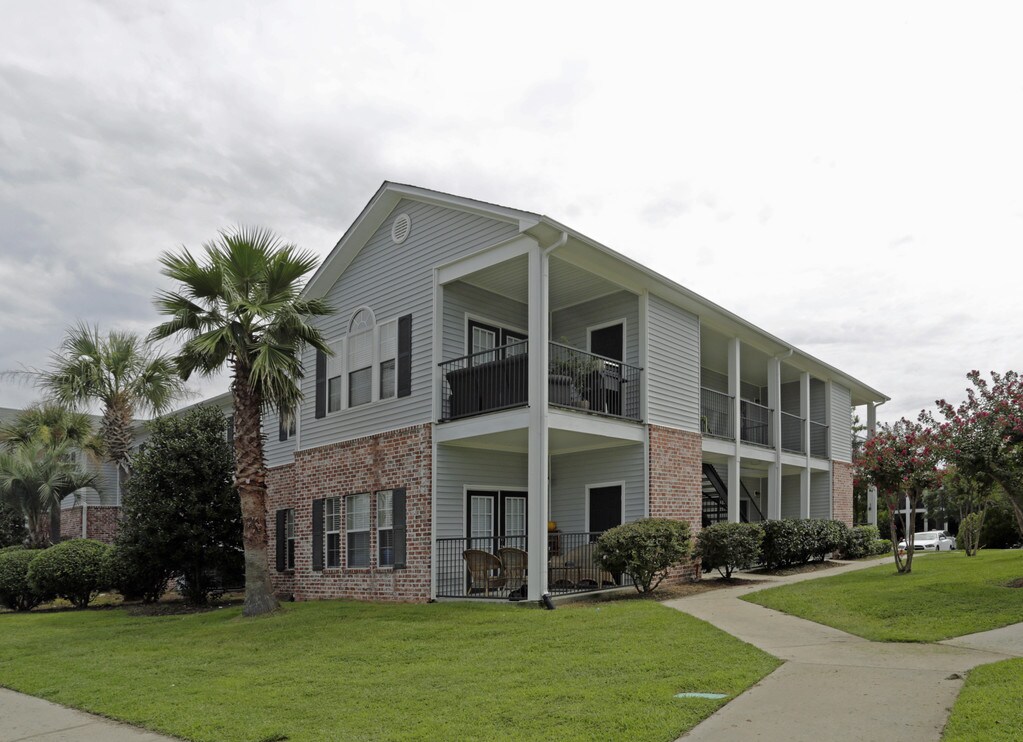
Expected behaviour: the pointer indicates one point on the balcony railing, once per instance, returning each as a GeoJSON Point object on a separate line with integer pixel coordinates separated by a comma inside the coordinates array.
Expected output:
{"type": "Point", "coordinates": [498, 379]}
{"type": "Point", "coordinates": [755, 423]}
{"type": "Point", "coordinates": [571, 566]}
{"type": "Point", "coordinates": [818, 440]}
{"type": "Point", "coordinates": [792, 433]}
{"type": "Point", "coordinates": [716, 414]}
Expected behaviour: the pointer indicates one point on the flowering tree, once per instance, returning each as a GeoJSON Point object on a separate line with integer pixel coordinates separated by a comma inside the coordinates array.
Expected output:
{"type": "Point", "coordinates": [901, 460]}
{"type": "Point", "coordinates": [983, 436]}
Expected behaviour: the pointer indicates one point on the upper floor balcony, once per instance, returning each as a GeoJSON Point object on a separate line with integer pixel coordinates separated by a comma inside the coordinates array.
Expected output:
{"type": "Point", "coordinates": [498, 379]}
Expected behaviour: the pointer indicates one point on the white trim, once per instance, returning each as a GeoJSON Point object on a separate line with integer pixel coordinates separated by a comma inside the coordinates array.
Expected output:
{"type": "Point", "coordinates": [488, 488]}
{"type": "Point", "coordinates": [586, 501]}
{"type": "Point", "coordinates": [487, 257]}
{"type": "Point", "coordinates": [437, 342]}
{"type": "Point", "coordinates": [470, 317]}
{"type": "Point", "coordinates": [611, 323]}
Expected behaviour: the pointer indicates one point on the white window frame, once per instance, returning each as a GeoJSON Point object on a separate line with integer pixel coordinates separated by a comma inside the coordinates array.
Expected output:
{"type": "Point", "coordinates": [611, 323]}
{"type": "Point", "coordinates": [289, 539]}
{"type": "Point", "coordinates": [379, 359]}
{"type": "Point", "coordinates": [380, 529]}
{"type": "Point", "coordinates": [328, 532]}
{"type": "Point", "coordinates": [586, 501]}
{"type": "Point", "coordinates": [469, 317]}
{"type": "Point", "coordinates": [338, 366]}
{"type": "Point", "coordinates": [367, 530]}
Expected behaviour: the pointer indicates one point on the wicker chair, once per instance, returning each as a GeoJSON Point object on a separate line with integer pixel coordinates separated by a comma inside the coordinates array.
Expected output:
{"type": "Point", "coordinates": [514, 567]}
{"type": "Point", "coordinates": [484, 571]}
{"type": "Point", "coordinates": [586, 569]}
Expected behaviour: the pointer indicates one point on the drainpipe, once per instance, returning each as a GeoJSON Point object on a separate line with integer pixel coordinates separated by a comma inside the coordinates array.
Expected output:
{"type": "Point", "coordinates": [85, 518]}
{"type": "Point", "coordinates": [558, 243]}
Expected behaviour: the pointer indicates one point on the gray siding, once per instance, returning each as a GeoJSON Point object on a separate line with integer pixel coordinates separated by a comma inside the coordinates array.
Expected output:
{"type": "Point", "coordinates": [275, 451]}
{"type": "Point", "coordinates": [820, 494]}
{"type": "Point", "coordinates": [571, 323]}
{"type": "Point", "coordinates": [457, 467]}
{"type": "Point", "coordinates": [672, 375]}
{"type": "Point", "coordinates": [818, 402]}
{"type": "Point", "coordinates": [790, 397]}
{"type": "Point", "coordinates": [394, 280]}
{"type": "Point", "coordinates": [841, 423]}
{"type": "Point", "coordinates": [571, 473]}
{"type": "Point", "coordinates": [461, 299]}
{"type": "Point", "coordinates": [790, 496]}
{"type": "Point", "coordinates": [714, 380]}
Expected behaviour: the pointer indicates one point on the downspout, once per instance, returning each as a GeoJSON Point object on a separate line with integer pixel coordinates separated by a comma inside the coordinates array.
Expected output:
{"type": "Point", "coordinates": [558, 243]}
{"type": "Point", "coordinates": [85, 518]}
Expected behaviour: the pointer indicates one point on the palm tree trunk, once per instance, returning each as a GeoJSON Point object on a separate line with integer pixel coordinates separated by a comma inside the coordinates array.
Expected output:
{"type": "Point", "coordinates": [115, 431]}
{"type": "Point", "coordinates": [55, 523]}
{"type": "Point", "coordinates": [250, 478]}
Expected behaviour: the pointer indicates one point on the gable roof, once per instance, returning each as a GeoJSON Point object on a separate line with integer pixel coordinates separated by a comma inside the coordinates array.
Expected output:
{"type": "Point", "coordinates": [546, 231]}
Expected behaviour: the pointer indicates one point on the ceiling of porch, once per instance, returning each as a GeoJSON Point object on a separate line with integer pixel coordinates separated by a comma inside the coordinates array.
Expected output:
{"type": "Point", "coordinates": [569, 284]}
{"type": "Point", "coordinates": [559, 441]}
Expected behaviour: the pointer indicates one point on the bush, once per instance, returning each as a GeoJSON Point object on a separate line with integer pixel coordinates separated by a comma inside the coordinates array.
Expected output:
{"type": "Point", "coordinates": [729, 546]}
{"type": "Point", "coordinates": [881, 547]}
{"type": "Point", "coordinates": [134, 575]}
{"type": "Point", "coordinates": [860, 542]}
{"type": "Point", "coordinates": [644, 550]}
{"type": "Point", "coordinates": [823, 537]}
{"type": "Point", "coordinates": [15, 591]}
{"type": "Point", "coordinates": [73, 570]}
{"type": "Point", "coordinates": [12, 526]}
{"type": "Point", "coordinates": [784, 543]}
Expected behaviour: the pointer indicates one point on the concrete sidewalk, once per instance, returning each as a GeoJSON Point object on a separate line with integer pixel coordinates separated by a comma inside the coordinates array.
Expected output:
{"type": "Point", "coordinates": [835, 686]}
{"type": "Point", "coordinates": [28, 718]}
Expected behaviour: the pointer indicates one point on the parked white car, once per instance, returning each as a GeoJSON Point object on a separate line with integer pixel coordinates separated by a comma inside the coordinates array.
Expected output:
{"type": "Point", "coordinates": [931, 541]}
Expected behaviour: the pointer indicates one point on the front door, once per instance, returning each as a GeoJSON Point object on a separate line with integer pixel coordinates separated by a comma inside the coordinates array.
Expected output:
{"type": "Point", "coordinates": [496, 519]}
{"type": "Point", "coordinates": [605, 508]}
{"type": "Point", "coordinates": [609, 342]}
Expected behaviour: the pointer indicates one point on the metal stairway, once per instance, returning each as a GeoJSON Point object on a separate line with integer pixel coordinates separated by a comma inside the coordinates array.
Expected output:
{"type": "Point", "coordinates": [715, 498]}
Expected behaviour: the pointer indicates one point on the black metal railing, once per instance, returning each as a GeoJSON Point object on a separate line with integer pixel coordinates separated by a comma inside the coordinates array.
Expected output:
{"type": "Point", "coordinates": [590, 382]}
{"type": "Point", "coordinates": [495, 566]}
{"type": "Point", "coordinates": [818, 440]}
{"type": "Point", "coordinates": [792, 433]}
{"type": "Point", "coordinates": [716, 414]}
{"type": "Point", "coordinates": [755, 423]}
{"type": "Point", "coordinates": [498, 379]}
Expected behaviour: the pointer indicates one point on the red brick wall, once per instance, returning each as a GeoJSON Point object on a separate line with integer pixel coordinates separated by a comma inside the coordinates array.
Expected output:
{"type": "Point", "coordinates": [675, 487]}
{"type": "Point", "coordinates": [400, 458]}
{"type": "Point", "coordinates": [102, 522]}
{"type": "Point", "coordinates": [842, 491]}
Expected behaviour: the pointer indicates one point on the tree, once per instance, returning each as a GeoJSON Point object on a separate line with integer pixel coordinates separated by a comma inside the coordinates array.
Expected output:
{"type": "Point", "coordinates": [34, 478]}
{"type": "Point", "coordinates": [965, 497]}
{"type": "Point", "coordinates": [984, 434]}
{"type": "Point", "coordinates": [12, 525]}
{"type": "Point", "coordinates": [901, 460]}
{"type": "Point", "coordinates": [241, 308]}
{"type": "Point", "coordinates": [180, 513]}
{"type": "Point", "coordinates": [121, 373]}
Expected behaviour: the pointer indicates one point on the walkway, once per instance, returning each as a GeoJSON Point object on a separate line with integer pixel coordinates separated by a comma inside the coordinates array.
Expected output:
{"type": "Point", "coordinates": [28, 718]}
{"type": "Point", "coordinates": [835, 686]}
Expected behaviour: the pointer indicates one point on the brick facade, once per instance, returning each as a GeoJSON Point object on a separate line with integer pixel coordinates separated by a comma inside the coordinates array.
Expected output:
{"type": "Point", "coordinates": [400, 458]}
{"type": "Point", "coordinates": [842, 491]}
{"type": "Point", "coordinates": [101, 522]}
{"type": "Point", "coordinates": [675, 484]}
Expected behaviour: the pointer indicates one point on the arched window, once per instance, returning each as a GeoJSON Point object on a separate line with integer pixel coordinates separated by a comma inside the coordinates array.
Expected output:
{"type": "Point", "coordinates": [360, 357]}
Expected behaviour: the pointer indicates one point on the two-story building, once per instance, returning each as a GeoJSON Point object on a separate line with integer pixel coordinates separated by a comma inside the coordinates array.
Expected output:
{"type": "Point", "coordinates": [503, 385]}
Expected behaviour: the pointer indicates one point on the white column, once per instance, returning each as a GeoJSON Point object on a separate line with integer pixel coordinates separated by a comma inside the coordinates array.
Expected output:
{"type": "Point", "coordinates": [539, 501]}
{"type": "Point", "coordinates": [804, 414]}
{"type": "Point", "coordinates": [804, 493]}
{"type": "Point", "coordinates": [734, 461]}
{"type": "Point", "coordinates": [774, 492]}
{"type": "Point", "coordinates": [734, 488]}
{"type": "Point", "coordinates": [773, 402]}
{"type": "Point", "coordinates": [871, 491]}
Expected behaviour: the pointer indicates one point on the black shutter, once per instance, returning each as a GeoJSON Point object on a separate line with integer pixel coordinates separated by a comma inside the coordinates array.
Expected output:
{"type": "Point", "coordinates": [405, 355]}
{"type": "Point", "coordinates": [282, 542]}
{"type": "Point", "coordinates": [318, 534]}
{"type": "Point", "coordinates": [321, 384]}
{"type": "Point", "coordinates": [398, 514]}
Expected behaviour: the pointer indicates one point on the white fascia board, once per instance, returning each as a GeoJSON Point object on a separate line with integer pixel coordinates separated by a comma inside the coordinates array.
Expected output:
{"type": "Point", "coordinates": [489, 256]}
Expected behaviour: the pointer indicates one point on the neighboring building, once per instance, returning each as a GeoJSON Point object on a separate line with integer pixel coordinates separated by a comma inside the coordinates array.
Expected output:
{"type": "Point", "coordinates": [494, 371]}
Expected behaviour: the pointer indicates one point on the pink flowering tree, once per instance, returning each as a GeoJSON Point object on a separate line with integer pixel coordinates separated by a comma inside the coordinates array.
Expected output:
{"type": "Point", "coordinates": [983, 436]}
{"type": "Point", "coordinates": [901, 460]}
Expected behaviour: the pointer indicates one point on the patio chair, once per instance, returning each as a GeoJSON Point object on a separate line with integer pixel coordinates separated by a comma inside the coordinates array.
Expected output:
{"type": "Point", "coordinates": [514, 562]}
{"type": "Point", "coordinates": [484, 571]}
{"type": "Point", "coordinates": [586, 570]}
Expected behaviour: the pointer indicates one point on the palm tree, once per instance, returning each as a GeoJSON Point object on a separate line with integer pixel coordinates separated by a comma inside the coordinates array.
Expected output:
{"type": "Point", "coordinates": [35, 477]}
{"type": "Point", "coordinates": [242, 308]}
{"type": "Point", "coordinates": [121, 373]}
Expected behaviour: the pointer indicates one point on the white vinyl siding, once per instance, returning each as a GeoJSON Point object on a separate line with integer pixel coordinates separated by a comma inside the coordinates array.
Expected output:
{"type": "Point", "coordinates": [462, 300]}
{"type": "Point", "coordinates": [841, 423]}
{"type": "Point", "coordinates": [395, 280]}
{"type": "Point", "coordinates": [572, 323]}
{"type": "Point", "coordinates": [458, 468]}
{"type": "Point", "coordinates": [820, 494]}
{"type": "Point", "coordinates": [790, 496]}
{"type": "Point", "coordinates": [571, 473]}
{"type": "Point", "coordinates": [672, 375]}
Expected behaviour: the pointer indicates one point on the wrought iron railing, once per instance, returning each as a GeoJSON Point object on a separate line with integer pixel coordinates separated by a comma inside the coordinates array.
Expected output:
{"type": "Point", "coordinates": [792, 433]}
{"type": "Point", "coordinates": [716, 414]}
{"type": "Point", "coordinates": [755, 423]}
{"type": "Point", "coordinates": [462, 572]}
{"type": "Point", "coordinates": [498, 379]}
{"type": "Point", "coordinates": [818, 440]}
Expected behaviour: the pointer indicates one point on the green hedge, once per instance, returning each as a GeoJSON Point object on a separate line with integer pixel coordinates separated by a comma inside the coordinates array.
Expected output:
{"type": "Point", "coordinates": [729, 546]}
{"type": "Point", "coordinates": [15, 591]}
{"type": "Point", "coordinates": [75, 570]}
{"type": "Point", "coordinates": [860, 542]}
{"type": "Point", "coordinates": [644, 550]}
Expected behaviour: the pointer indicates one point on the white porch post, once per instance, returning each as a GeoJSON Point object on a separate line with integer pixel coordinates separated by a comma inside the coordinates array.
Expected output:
{"type": "Point", "coordinates": [774, 492]}
{"type": "Point", "coordinates": [871, 491]}
{"type": "Point", "coordinates": [804, 415]}
{"type": "Point", "coordinates": [734, 390]}
{"type": "Point", "coordinates": [774, 404]}
{"type": "Point", "coordinates": [539, 504]}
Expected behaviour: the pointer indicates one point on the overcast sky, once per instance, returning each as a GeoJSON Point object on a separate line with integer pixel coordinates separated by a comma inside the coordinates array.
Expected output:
{"type": "Point", "coordinates": [851, 181]}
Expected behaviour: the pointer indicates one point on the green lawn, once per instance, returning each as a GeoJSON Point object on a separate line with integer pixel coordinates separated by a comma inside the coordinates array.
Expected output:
{"type": "Point", "coordinates": [988, 709]}
{"type": "Point", "coordinates": [945, 595]}
{"type": "Point", "coordinates": [341, 670]}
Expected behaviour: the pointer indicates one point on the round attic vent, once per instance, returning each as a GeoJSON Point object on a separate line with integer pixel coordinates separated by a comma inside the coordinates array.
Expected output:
{"type": "Point", "coordinates": [400, 228]}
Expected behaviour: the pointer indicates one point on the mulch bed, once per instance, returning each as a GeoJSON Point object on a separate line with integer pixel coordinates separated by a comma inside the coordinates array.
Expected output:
{"type": "Point", "coordinates": [1018, 582]}
{"type": "Point", "coordinates": [797, 570]}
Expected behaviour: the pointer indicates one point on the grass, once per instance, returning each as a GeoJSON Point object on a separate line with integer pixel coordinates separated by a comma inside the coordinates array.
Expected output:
{"type": "Point", "coordinates": [342, 670]}
{"type": "Point", "coordinates": [945, 595]}
{"type": "Point", "coordinates": [988, 708]}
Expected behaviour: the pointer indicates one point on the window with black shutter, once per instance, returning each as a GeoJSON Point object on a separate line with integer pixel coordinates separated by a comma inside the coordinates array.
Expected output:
{"type": "Point", "coordinates": [405, 355]}
{"type": "Point", "coordinates": [317, 535]}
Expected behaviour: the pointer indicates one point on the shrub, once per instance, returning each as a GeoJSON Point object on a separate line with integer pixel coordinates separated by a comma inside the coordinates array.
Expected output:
{"type": "Point", "coordinates": [860, 542]}
{"type": "Point", "coordinates": [134, 575]}
{"type": "Point", "coordinates": [824, 537]}
{"type": "Point", "coordinates": [729, 546]}
{"type": "Point", "coordinates": [73, 570]}
{"type": "Point", "coordinates": [644, 550]}
{"type": "Point", "coordinates": [15, 591]}
{"type": "Point", "coordinates": [783, 543]}
{"type": "Point", "coordinates": [12, 526]}
{"type": "Point", "coordinates": [181, 515]}
{"type": "Point", "coordinates": [881, 546]}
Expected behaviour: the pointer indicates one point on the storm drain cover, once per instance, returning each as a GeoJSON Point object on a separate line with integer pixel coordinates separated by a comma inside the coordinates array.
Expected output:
{"type": "Point", "coordinates": [701, 695]}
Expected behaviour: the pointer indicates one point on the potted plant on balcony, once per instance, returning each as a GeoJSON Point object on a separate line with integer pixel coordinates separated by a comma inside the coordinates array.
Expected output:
{"type": "Point", "coordinates": [572, 376]}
